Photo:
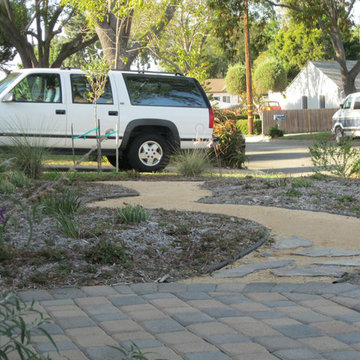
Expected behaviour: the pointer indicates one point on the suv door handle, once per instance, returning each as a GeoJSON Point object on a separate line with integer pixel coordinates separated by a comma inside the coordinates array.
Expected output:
{"type": "Point", "coordinates": [113, 113]}
{"type": "Point", "coordinates": [60, 112]}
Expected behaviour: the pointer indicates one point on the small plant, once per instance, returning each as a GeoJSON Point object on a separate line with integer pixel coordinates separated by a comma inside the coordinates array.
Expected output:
{"type": "Point", "coordinates": [346, 198]}
{"type": "Point", "coordinates": [340, 159]}
{"type": "Point", "coordinates": [67, 202]}
{"type": "Point", "coordinates": [18, 179]}
{"type": "Point", "coordinates": [133, 214]}
{"type": "Point", "coordinates": [275, 132]}
{"type": "Point", "coordinates": [15, 332]}
{"type": "Point", "coordinates": [67, 226]}
{"type": "Point", "coordinates": [293, 193]}
{"type": "Point", "coordinates": [106, 252]}
{"type": "Point", "coordinates": [301, 182]}
{"type": "Point", "coordinates": [6, 187]}
{"type": "Point", "coordinates": [28, 156]}
{"type": "Point", "coordinates": [192, 163]}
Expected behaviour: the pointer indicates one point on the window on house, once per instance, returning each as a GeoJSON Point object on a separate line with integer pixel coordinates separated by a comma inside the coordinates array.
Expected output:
{"type": "Point", "coordinates": [322, 101]}
{"type": "Point", "coordinates": [304, 102]}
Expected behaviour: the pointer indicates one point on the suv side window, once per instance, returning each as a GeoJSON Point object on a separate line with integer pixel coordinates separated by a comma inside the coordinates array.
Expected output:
{"type": "Point", "coordinates": [357, 103]}
{"type": "Point", "coordinates": [38, 88]}
{"type": "Point", "coordinates": [81, 90]}
{"type": "Point", "coordinates": [347, 103]}
{"type": "Point", "coordinates": [149, 90]}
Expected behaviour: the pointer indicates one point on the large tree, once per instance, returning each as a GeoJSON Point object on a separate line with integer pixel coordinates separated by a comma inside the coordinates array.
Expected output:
{"type": "Point", "coordinates": [295, 44]}
{"type": "Point", "coordinates": [334, 18]}
{"type": "Point", "coordinates": [113, 21]}
{"type": "Point", "coordinates": [181, 48]}
{"type": "Point", "coordinates": [32, 39]}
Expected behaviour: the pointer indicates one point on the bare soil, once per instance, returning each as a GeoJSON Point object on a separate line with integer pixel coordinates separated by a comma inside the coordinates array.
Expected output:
{"type": "Point", "coordinates": [171, 245]}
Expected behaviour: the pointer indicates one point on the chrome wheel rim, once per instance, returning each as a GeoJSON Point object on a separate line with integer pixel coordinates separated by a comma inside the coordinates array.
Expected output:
{"type": "Point", "coordinates": [150, 153]}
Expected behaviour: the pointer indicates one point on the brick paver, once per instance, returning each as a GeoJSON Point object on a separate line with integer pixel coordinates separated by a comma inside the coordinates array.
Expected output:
{"type": "Point", "coordinates": [227, 321]}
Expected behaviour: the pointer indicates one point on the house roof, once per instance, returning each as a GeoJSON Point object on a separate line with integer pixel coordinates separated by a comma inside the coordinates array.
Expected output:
{"type": "Point", "coordinates": [332, 70]}
{"type": "Point", "coordinates": [215, 86]}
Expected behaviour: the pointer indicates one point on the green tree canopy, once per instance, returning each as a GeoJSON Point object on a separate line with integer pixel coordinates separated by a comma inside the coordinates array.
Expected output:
{"type": "Point", "coordinates": [269, 75]}
{"type": "Point", "coordinates": [235, 80]}
{"type": "Point", "coordinates": [296, 44]}
{"type": "Point", "coordinates": [181, 46]}
{"type": "Point", "coordinates": [334, 18]}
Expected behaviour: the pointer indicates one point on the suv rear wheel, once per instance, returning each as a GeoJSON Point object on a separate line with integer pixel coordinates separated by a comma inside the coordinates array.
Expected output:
{"type": "Point", "coordinates": [148, 153]}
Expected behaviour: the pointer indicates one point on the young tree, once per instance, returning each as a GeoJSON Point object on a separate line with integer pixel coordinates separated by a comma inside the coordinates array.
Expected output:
{"type": "Point", "coordinates": [269, 74]}
{"type": "Point", "coordinates": [334, 18]}
{"type": "Point", "coordinates": [235, 81]}
{"type": "Point", "coordinates": [113, 20]}
{"type": "Point", "coordinates": [41, 22]}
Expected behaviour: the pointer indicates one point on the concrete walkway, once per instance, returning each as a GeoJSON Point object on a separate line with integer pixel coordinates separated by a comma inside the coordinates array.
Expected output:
{"type": "Point", "coordinates": [256, 309]}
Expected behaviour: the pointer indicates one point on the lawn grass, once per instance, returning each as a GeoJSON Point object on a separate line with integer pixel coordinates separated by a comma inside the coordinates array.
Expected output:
{"type": "Point", "coordinates": [308, 136]}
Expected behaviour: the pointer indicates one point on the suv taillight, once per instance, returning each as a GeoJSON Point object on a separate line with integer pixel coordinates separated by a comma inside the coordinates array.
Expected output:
{"type": "Point", "coordinates": [211, 118]}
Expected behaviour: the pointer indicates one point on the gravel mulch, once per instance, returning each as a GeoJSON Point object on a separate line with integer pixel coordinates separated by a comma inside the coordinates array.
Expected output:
{"type": "Point", "coordinates": [327, 194]}
{"type": "Point", "coordinates": [170, 245]}
{"type": "Point", "coordinates": [35, 251]}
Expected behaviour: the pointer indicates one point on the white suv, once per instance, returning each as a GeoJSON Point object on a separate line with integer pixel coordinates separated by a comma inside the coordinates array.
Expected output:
{"type": "Point", "coordinates": [153, 114]}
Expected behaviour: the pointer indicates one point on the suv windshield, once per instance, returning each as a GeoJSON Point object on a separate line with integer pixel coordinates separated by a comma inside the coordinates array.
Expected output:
{"type": "Point", "coordinates": [7, 81]}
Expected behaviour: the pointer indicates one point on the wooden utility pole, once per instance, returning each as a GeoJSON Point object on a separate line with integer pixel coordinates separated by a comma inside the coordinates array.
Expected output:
{"type": "Point", "coordinates": [248, 70]}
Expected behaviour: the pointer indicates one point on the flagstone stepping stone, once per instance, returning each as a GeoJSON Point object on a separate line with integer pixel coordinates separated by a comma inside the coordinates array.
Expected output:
{"type": "Point", "coordinates": [324, 252]}
{"type": "Point", "coordinates": [313, 271]}
{"type": "Point", "coordinates": [344, 262]}
{"type": "Point", "coordinates": [243, 270]}
{"type": "Point", "coordinates": [292, 242]}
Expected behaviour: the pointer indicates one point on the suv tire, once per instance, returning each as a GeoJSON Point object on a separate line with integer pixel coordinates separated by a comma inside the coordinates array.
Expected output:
{"type": "Point", "coordinates": [148, 153]}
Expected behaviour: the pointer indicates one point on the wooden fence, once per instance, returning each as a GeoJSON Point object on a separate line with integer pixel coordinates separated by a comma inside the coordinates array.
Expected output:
{"type": "Point", "coordinates": [300, 121]}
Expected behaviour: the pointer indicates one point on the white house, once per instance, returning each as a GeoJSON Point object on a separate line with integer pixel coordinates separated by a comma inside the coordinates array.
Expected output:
{"type": "Point", "coordinates": [318, 85]}
{"type": "Point", "coordinates": [220, 98]}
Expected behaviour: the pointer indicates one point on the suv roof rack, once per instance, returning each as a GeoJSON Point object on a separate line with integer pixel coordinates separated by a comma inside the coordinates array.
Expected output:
{"type": "Point", "coordinates": [152, 72]}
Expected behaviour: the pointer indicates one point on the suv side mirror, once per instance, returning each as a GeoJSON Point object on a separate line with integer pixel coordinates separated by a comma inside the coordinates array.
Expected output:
{"type": "Point", "coordinates": [9, 97]}
{"type": "Point", "coordinates": [341, 106]}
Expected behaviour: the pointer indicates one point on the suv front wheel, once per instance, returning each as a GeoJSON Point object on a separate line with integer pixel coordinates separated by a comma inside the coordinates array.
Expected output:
{"type": "Point", "coordinates": [148, 153]}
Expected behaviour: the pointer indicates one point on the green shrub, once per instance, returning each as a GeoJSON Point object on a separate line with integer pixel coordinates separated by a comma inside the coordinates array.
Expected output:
{"type": "Point", "coordinates": [133, 214]}
{"type": "Point", "coordinates": [106, 252]}
{"type": "Point", "coordinates": [192, 162]}
{"type": "Point", "coordinates": [230, 145]}
{"type": "Point", "coordinates": [16, 332]}
{"type": "Point", "coordinates": [275, 132]}
{"type": "Point", "coordinates": [244, 126]}
{"type": "Point", "coordinates": [339, 159]}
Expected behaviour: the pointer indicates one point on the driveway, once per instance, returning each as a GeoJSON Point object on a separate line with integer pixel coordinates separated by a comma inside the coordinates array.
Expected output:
{"type": "Point", "coordinates": [285, 156]}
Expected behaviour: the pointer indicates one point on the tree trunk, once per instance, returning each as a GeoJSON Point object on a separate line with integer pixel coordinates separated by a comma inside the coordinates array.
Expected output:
{"type": "Point", "coordinates": [114, 36]}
